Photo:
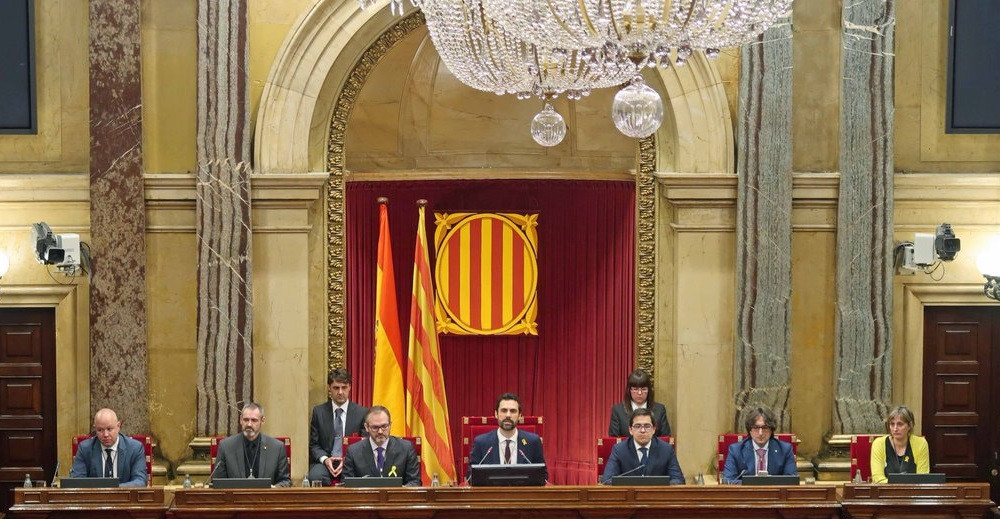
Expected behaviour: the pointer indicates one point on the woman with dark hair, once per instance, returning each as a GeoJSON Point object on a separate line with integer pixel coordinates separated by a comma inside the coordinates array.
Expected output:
{"type": "Point", "coordinates": [638, 394]}
{"type": "Point", "coordinates": [900, 450]}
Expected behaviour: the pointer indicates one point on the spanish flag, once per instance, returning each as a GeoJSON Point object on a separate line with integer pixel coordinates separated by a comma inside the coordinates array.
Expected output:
{"type": "Point", "coordinates": [425, 398]}
{"type": "Point", "coordinates": [388, 381]}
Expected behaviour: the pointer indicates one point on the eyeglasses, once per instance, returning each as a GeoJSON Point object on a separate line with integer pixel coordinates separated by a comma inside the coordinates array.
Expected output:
{"type": "Point", "coordinates": [383, 427]}
{"type": "Point", "coordinates": [639, 389]}
{"type": "Point", "coordinates": [642, 426]}
{"type": "Point", "coordinates": [760, 427]}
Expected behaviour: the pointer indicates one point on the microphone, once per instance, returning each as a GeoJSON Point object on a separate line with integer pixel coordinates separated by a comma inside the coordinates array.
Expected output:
{"type": "Point", "coordinates": [627, 472]}
{"type": "Point", "coordinates": [55, 475]}
{"type": "Point", "coordinates": [481, 460]}
{"type": "Point", "coordinates": [738, 477]}
{"type": "Point", "coordinates": [526, 458]}
{"type": "Point", "coordinates": [211, 475]}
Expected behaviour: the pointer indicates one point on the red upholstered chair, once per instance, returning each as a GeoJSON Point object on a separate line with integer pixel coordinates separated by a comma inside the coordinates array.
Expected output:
{"type": "Point", "coordinates": [725, 440]}
{"type": "Point", "coordinates": [213, 451]}
{"type": "Point", "coordinates": [147, 447]}
{"type": "Point", "coordinates": [861, 455]}
{"type": "Point", "coordinates": [606, 443]}
{"type": "Point", "coordinates": [473, 426]}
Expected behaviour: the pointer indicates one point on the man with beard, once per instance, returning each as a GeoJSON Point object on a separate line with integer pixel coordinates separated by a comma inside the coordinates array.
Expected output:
{"type": "Point", "coordinates": [382, 455]}
{"type": "Point", "coordinates": [251, 454]}
{"type": "Point", "coordinates": [508, 445]}
{"type": "Point", "coordinates": [110, 454]}
{"type": "Point", "coordinates": [331, 421]}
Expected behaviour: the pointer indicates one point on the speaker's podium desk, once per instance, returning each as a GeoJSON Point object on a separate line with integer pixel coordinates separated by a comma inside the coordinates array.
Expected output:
{"type": "Point", "coordinates": [959, 499]}
{"type": "Point", "coordinates": [136, 502]}
{"type": "Point", "coordinates": [561, 502]}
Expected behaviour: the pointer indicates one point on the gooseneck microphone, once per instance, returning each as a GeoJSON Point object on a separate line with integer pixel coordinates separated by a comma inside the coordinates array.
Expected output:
{"type": "Point", "coordinates": [626, 473]}
{"type": "Point", "coordinates": [481, 460]}
{"type": "Point", "coordinates": [526, 458]}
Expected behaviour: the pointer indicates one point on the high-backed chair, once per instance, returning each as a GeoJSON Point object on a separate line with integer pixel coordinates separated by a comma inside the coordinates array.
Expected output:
{"type": "Point", "coordinates": [725, 440]}
{"type": "Point", "coordinates": [213, 451]}
{"type": "Point", "coordinates": [861, 455]}
{"type": "Point", "coordinates": [147, 448]}
{"type": "Point", "coordinates": [473, 426]}
{"type": "Point", "coordinates": [606, 443]}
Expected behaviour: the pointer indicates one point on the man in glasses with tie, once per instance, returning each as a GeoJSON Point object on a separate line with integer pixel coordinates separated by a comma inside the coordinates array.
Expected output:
{"type": "Point", "coordinates": [383, 455]}
{"type": "Point", "coordinates": [761, 452]}
{"type": "Point", "coordinates": [643, 454]}
{"type": "Point", "coordinates": [507, 445]}
{"type": "Point", "coordinates": [331, 421]}
{"type": "Point", "coordinates": [110, 454]}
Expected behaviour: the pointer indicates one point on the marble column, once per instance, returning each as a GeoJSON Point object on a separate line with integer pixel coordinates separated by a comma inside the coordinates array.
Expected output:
{"type": "Point", "coordinates": [761, 375]}
{"type": "Point", "coordinates": [863, 351]}
{"type": "Point", "coordinates": [118, 350]}
{"type": "Point", "coordinates": [225, 297]}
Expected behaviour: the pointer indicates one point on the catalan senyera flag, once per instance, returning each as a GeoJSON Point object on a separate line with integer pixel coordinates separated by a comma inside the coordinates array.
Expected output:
{"type": "Point", "coordinates": [425, 396]}
{"type": "Point", "coordinates": [388, 390]}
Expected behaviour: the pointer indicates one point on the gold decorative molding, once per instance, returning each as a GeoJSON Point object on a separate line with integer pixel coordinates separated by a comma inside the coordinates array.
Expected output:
{"type": "Point", "coordinates": [336, 326]}
{"type": "Point", "coordinates": [645, 265]}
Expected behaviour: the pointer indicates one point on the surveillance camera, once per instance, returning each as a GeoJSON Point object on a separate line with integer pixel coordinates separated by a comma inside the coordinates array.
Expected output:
{"type": "Point", "coordinates": [61, 250]}
{"type": "Point", "coordinates": [946, 245]}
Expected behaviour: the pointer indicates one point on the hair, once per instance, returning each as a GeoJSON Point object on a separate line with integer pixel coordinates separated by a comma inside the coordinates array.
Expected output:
{"type": "Point", "coordinates": [903, 413]}
{"type": "Point", "coordinates": [377, 409]}
{"type": "Point", "coordinates": [251, 405]}
{"type": "Point", "coordinates": [757, 412]}
{"type": "Point", "coordinates": [508, 396]}
{"type": "Point", "coordinates": [642, 411]}
{"type": "Point", "coordinates": [639, 378]}
{"type": "Point", "coordinates": [338, 375]}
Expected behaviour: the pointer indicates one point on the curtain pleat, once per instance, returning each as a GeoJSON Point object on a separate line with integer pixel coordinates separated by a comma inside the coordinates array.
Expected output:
{"type": "Point", "coordinates": [575, 369]}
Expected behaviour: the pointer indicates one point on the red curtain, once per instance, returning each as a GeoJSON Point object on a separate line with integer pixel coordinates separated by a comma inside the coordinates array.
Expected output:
{"type": "Point", "coordinates": [576, 367]}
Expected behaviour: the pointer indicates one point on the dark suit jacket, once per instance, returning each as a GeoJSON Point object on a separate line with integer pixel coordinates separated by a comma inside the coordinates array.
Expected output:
{"type": "Point", "coordinates": [359, 461]}
{"type": "Point", "coordinates": [742, 460]}
{"type": "Point", "coordinates": [231, 460]}
{"type": "Point", "coordinates": [621, 411]}
{"type": "Point", "coordinates": [321, 428]}
{"type": "Point", "coordinates": [89, 461]}
{"type": "Point", "coordinates": [529, 449]}
{"type": "Point", "coordinates": [660, 461]}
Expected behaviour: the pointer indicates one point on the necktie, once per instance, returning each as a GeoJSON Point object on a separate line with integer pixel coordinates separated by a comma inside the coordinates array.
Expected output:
{"type": "Point", "coordinates": [338, 433]}
{"type": "Point", "coordinates": [109, 465]}
{"type": "Point", "coordinates": [642, 458]}
{"type": "Point", "coordinates": [761, 466]}
{"type": "Point", "coordinates": [506, 453]}
{"type": "Point", "coordinates": [380, 459]}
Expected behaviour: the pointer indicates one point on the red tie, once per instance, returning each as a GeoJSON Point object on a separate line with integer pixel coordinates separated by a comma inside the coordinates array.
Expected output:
{"type": "Point", "coordinates": [760, 460]}
{"type": "Point", "coordinates": [506, 454]}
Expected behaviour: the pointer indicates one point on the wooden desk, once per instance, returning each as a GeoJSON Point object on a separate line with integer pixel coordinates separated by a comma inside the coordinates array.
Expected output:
{"type": "Point", "coordinates": [965, 500]}
{"type": "Point", "coordinates": [141, 502]}
{"type": "Point", "coordinates": [480, 503]}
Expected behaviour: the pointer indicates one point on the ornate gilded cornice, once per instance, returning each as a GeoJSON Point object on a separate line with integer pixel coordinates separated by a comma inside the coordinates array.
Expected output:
{"type": "Point", "coordinates": [335, 231]}
{"type": "Point", "coordinates": [645, 202]}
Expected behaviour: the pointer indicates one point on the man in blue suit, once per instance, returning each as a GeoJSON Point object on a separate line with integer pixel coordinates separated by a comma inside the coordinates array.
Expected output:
{"type": "Point", "coordinates": [110, 454]}
{"type": "Point", "coordinates": [760, 451]}
{"type": "Point", "coordinates": [507, 445]}
{"type": "Point", "coordinates": [643, 454]}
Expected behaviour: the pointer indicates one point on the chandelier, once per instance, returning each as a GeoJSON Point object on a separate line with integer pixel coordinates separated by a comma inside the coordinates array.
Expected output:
{"type": "Point", "coordinates": [548, 48]}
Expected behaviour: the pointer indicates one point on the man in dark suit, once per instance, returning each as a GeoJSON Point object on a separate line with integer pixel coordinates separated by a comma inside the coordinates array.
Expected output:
{"type": "Point", "coordinates": [507, 445]}
{"type": "Point", "coordinates": [252, 454]}
{"type": "Point", "coordinates": [382, 455]}
{"type": "Point", "coordinates": [331, 421]}
{"type": "Point", "coordinates": [760, 452]}
{"type": "Point", "coordinates": [110, 454]}
{"type": "Point", "coordinates": [643, 454]}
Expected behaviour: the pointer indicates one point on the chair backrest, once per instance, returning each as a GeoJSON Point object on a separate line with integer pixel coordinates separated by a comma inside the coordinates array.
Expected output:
{"type": "Point", "coordinates": [473, 426]}
{"type": "Point", "coordinates": [147, 449]}
{"type": "Point", "coordinates": [606, 443]}
{"type": "Point", "coordinates": [213, 451]}
{"type": "Point", "coordinates": [727, 439]}
{"type": "Point", "coordinates": [861, 455]}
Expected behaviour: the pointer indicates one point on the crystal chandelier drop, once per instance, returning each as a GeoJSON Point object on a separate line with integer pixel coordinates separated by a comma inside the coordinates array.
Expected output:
{"type": "Point", "coordinates": [547, 48]}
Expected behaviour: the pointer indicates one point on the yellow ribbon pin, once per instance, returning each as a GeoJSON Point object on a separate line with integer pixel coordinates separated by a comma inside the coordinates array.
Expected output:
{"type": "Point", "coordinates": [392, 472]}
{"type": "Point", "coordinates": [523, 441]}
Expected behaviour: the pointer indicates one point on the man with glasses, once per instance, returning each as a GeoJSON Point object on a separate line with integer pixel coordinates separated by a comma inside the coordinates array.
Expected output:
{"type": "Point", "coordinates": [643, 454]}
{"type": "Point", "coordinates": [761, 452]}
{"type": "Point", "coordinates": [381, 454]}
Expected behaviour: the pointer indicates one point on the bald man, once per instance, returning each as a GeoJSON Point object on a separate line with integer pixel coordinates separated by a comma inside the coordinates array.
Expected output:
{"type": "Point", "coordinates": [110, 454]}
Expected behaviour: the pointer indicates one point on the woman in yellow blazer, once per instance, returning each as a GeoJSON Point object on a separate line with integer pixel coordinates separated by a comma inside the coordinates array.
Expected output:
{"type": "Point", "coordinates": [899, 451]}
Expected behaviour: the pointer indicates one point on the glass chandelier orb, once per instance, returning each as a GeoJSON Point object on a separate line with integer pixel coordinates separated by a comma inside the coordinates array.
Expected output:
{"type": "Point", "coordinates": [548, 127]}
{"type": "Point", "coordinates": [637, 110]}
